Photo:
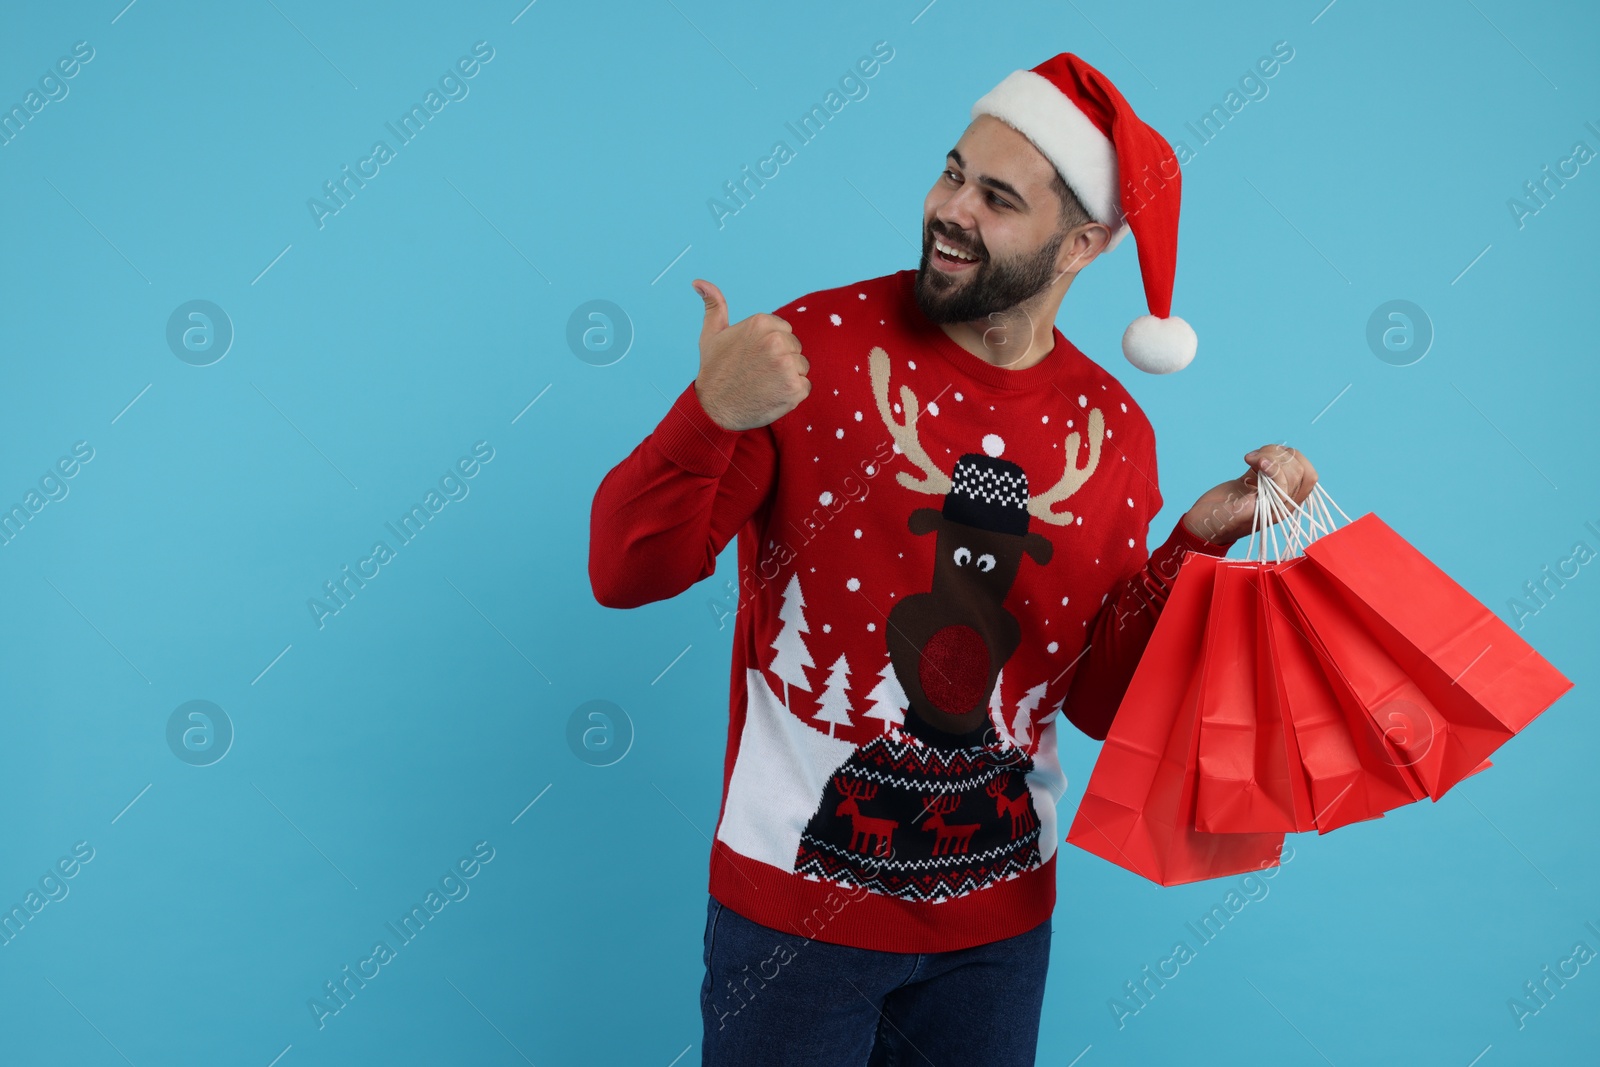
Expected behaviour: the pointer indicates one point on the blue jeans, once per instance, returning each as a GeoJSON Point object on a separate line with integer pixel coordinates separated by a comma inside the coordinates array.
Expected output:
{"type": "Point", "coordinates": [778, 1000]}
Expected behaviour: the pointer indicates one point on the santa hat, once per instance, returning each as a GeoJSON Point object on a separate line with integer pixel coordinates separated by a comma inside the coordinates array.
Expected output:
{"type": "Point", "coordinates": [1123, 171]}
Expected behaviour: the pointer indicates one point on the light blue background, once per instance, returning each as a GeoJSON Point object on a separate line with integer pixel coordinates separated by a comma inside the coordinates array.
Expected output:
{"type": "Point", "coordinates": [430, 312]}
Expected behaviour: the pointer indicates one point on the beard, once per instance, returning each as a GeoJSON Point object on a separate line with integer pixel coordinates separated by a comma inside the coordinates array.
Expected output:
{"type": "Point", "coordinates": [986, 289]}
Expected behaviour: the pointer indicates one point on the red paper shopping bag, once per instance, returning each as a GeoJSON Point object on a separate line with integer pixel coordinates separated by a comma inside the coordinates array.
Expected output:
{"type": "Point", "coordinates": [1354, 774]}
{"type": "Point", "coordinates": [1138, 808]}
{"type": "Point", "coordinates": [1273, 699]}
{"type": "Point", "coordinates": [1246, 781]}
{"type": "Point", "coordinates": [1437, 731]}
{"type": "Point", "coordinates": [1421, 615]}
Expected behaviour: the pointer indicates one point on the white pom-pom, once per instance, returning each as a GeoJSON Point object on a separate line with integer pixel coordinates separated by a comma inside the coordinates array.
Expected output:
{"type": "Point", "coordinates": [1159, 346]}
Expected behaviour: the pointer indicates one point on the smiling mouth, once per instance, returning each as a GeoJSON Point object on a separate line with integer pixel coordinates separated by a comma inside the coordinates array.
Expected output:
{"type": "Point", "coordinates": [949, 258]}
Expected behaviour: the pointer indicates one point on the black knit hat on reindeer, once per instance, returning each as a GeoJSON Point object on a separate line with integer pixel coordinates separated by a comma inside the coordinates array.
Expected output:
{"type": "Point", "coordinates": [1125, 173]}
{"type": "Point", "coordinates": [989, 493]}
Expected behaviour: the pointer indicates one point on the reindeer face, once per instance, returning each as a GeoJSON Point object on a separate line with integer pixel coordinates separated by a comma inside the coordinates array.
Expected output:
{"type": "Point", "coordinates": [973, 565]}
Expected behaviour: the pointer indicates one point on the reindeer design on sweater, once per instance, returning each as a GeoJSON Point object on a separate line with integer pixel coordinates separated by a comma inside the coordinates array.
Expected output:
{"type": "Point", "coordinates": [947, 646]}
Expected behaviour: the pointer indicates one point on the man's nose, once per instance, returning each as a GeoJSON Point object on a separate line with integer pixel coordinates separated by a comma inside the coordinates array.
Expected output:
{"type": "Point", "coordinates": [956, 212]}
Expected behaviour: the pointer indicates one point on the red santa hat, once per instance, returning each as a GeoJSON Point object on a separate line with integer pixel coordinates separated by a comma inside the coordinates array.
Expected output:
{"type": "Point", "coordinates": [1123, 171]}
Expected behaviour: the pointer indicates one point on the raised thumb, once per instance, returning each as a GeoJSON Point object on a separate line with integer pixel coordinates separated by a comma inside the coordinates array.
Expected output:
{"type": "Point", "coordinates": [716, 308]}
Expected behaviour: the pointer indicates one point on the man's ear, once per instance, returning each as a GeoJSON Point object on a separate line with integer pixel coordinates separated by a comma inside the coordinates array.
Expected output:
{"type": "Point", "coordinates": [1080, 247]}
{"type": "Point", "coordinates": [924, 520]}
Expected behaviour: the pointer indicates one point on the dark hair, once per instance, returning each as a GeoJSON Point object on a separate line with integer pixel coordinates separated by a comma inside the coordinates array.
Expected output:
{"type": "Point", "coordinates": [1073, 213]}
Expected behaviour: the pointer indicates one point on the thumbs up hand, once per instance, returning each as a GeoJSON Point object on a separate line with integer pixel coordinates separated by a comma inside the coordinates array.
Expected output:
{"type": "Point", "coordinates": [751, 373]}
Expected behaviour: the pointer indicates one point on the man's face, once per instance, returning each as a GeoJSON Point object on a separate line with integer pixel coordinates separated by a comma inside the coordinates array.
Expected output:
{"type": "Point", "coordinates": [993, 202]}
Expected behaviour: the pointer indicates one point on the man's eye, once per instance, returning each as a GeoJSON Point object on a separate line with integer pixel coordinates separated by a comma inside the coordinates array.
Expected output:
{"type": "Point", "coordinates": [995, 199]}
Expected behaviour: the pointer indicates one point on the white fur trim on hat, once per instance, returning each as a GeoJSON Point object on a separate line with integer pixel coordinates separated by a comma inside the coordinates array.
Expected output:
{"type": "Point", "coordinates": [1084, 157]}
{"type": "Point", "coordinates": [1159, 346]}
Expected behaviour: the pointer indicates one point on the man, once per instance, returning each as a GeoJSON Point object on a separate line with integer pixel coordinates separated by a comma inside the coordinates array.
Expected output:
{"type": "Point", "coordinates": [942, 508]}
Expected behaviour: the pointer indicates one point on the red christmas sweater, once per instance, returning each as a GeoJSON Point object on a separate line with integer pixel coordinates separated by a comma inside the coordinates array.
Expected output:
{"type": "Point", "coordinates": [938, 559]}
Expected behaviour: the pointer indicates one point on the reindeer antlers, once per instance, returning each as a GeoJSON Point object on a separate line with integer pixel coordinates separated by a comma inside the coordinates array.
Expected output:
{"type": "Point", "coordinates": [933, 479]}
{"type": "Point", "coordinates": [856, 789]}
{"type": "Point", "coordinates": [1074, 476]}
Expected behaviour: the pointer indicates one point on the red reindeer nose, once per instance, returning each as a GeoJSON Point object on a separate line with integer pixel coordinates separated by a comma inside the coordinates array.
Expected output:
{"type": "Point", "coordinates": [953, 667]}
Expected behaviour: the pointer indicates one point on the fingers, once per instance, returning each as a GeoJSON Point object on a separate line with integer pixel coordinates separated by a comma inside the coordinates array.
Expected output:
{"type": "Point", "coordinates": [1286, 466]}
{"type": "Point", "coordinates": [716, 319]}
{"type": "Point", "coordinates": [1274, 458]}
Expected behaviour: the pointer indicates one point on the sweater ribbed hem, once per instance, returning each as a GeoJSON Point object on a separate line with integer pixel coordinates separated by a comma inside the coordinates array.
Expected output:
{"type": "Point", "coordinates": [854, 916]}
{"type": "Point", "coordinates": [692, 439]}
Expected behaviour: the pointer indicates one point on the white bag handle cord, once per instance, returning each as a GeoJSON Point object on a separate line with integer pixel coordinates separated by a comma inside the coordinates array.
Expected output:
{"type": "Point", "coordinates": [1281, 509]}
{"type": "Point", "coordinates": [1273, 510]}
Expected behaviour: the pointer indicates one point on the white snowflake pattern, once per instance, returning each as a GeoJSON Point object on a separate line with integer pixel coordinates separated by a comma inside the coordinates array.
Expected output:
{"type": "Point", "coordinates": [835, 319]}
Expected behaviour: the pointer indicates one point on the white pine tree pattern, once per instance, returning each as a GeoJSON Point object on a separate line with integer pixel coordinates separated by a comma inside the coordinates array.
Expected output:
{"type": "Point", "coordinates": [997, 708]}
{"type": "Point", "coordinates": [792, 654]}
{"type": "Point", "coordinates": [834, 707]}
{"type": "Point", "coordinates": [1022, 727]}
{"type": "Point", "coordinates": [888, 698]}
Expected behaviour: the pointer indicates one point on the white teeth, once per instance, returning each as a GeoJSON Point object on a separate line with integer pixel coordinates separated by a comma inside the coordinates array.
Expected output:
{"type": "Point", "coordinates": [947, 250]}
